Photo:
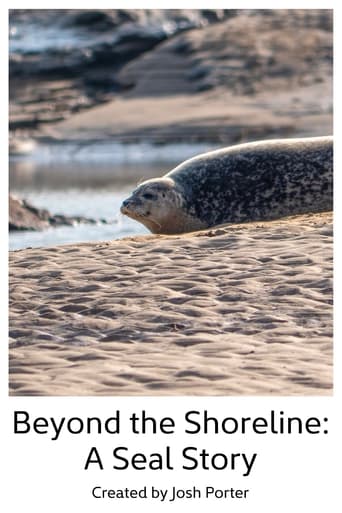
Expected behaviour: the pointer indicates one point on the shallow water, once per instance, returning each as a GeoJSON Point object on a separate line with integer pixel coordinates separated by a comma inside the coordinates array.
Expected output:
{"type": "Point", "coordinates": [91, 182]}
{"type": "Point", "coordinates": [85, 189]}
{"type": "Point", "coordinates": [98, 203]}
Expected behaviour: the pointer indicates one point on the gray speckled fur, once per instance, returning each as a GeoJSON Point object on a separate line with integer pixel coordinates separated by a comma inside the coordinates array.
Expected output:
{"type": "Point", "coordinates": [258, 181]}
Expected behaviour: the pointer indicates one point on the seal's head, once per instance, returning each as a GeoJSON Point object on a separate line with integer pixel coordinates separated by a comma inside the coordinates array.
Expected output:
{"type": "Point", "coordinates": [157, 204]}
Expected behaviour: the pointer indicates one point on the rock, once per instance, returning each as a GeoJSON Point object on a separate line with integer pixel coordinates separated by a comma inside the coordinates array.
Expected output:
{"type": "Point", "coordinates": [91, 20]}
{"type": "Point", "coordinates": [98, 43]}
{"type": "Point", "coordinates": [24, 216]}
{"type": "Point", "coordinates": [215, 15]}
{"type": "Point", "coordinates": [99, 20]}
{"type": "Point", "coordinates": [198, 72]}
{"type": "Point", "coordinates": [246, 54]}
{"type": "Point", "coordinates": [142, 53]}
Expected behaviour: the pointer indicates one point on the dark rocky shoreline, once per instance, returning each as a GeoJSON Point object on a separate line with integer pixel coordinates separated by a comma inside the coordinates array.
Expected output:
{"type": "Point", "coordinates": [23, 216]}
{"type": "Point", "coordinates": [47, 86]}
{"type": "Point", "coordinates": [158, 53]}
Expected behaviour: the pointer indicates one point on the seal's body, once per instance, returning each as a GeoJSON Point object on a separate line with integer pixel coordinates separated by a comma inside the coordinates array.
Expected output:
{"type": "Point", "coordinates": [249, 182]}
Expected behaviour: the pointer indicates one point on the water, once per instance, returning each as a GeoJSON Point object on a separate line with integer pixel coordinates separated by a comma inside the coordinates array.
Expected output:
{"type": "Point", "coordinates": [34, 37]}
{"type": "Point", "coordinates": [94, 190]}
{"type": "Point", "coordinates": [38, 32]}
{"type": "Point", "coordinates": [89, 181]}
{"type": "Point", "coordinates": [98, 203]}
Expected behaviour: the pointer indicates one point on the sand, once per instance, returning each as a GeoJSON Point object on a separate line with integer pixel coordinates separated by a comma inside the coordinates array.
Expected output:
{"type": "Point", "coordinates": [239, 310]}
{"type": "Point", "coordinates": [215, 116]}
{"type": "Point", "coordinates": [255, 74]}
{"type": "Point", "coordinates": [248, 77]}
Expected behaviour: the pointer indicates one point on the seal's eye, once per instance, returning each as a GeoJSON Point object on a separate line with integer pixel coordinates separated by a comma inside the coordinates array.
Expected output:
{"type": "Point", "coordinates": [148, 196]}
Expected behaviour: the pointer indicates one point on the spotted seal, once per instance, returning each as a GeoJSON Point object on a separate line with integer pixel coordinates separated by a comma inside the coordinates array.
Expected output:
{"type": "Point", "coordinates": [248, 182]}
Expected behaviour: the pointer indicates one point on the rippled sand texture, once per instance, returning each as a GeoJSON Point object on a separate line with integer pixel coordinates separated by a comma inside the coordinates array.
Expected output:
{"type": "Point", "coordinates": [243, 310]}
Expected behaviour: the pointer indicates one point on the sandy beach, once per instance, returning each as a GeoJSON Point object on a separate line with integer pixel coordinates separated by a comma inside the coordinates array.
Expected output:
{"type": "Point", "coordinates": [236, 310]}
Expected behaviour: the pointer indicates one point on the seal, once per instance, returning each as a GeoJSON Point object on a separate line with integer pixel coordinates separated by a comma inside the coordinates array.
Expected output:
{"type": "Point", "coordinates": [255, 181]}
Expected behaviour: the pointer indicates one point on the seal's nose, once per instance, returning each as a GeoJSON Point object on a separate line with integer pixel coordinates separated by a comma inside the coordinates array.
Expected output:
{"type": "Point", "coordinates": [125, 203]}
{"type": "Point", "coordinates": [124, 209]}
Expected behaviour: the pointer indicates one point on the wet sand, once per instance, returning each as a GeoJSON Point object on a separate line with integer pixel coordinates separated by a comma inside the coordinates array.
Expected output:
{"type": "Point", "coordinates": [238, 310]}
